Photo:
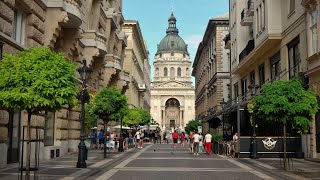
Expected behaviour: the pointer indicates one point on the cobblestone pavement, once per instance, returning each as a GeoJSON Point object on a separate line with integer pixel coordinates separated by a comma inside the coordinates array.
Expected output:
{"type": "Point", "coordinates": [162, 162]}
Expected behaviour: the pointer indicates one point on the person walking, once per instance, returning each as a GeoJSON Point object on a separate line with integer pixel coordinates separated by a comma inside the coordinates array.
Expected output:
{"type": "Point", "coordinates": [208, 139]}
{"type": "Point", "coordinates": [196, 141]}
{"type": "Point", "coordinates": [137, 137]}
{"type": "Point", "coordinates": [101, 143]}
{"type": "Point", "coordinates": [234, 146]}
{"type": "Point", "coordinates": [182, 137]}
{"type": "Point", "coordinates": [200, 146]}
{"type": "Point", "coordinates": [93, 139]}
{"type": "Point", "coordinates": [191, 145]}
{"type": "Point", "coordinates": [175, 137]}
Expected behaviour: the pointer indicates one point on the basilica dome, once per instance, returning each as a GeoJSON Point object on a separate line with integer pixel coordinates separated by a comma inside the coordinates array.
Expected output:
{"type": "Point", "coordinates": [172, 41]}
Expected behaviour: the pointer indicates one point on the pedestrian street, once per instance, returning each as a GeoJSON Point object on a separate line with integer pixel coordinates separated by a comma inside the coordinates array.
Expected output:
{"type": "Point", "coordinates": [161, 161]}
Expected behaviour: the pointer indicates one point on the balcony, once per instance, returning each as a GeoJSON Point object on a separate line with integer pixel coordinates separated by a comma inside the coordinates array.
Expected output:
{"type": "Point", "coordinates": [72, 18]}
{"type": "Point", "coordinates": [246, 51]}
{"type": "Point", "coordinates": [94, 39]}
{"type": "Point", "coordinates": [122, 37]}
{"type": "Point", "coordinates": [113, 61]}
{"type": "Point", "coordinates": [227, 44]}
{"type": "Point", "coordinates": [250, 8]}
{"type": "Point", "coordinates": [142, 88]}
{"type": "Point", "coordinates": [246, 20]}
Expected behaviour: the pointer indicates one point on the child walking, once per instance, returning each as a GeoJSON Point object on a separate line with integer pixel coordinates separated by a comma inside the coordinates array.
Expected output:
{"type": "Point", "coordinates": [200, 146]}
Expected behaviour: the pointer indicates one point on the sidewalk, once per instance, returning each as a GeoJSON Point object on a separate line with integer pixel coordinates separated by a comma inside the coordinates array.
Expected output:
{"type": "Point", "coordinates": [297, 168]}
{"type": "Point", "coordinates": [65, 167]}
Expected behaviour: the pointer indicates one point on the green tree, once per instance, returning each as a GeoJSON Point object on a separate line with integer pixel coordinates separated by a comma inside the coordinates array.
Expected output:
{"type": "Point", "coordinates": [137, 116]}
{"type": "Point", "coordinates": [145, 116]}
{"type": "Point", "coordinates": [192, 125]}
{"type": "Point", "coordinates": [36, 80]}
{"type": "Point", "coordinates": [286, 102]}
{"type": "Point", "coordinates": [109, 105]}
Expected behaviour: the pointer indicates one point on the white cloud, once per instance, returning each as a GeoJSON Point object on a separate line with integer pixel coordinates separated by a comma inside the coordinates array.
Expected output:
{"type": "Point", "coordinates": [193, 41]}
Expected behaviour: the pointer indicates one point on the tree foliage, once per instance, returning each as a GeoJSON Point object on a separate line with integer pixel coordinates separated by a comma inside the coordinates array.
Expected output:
{"type": "Point", "coordinates": [286, 102]}
{"type": "Point", "coordinates": [109, 104]}
{"type": "Point", "coordinates": [192, 125]}
{"type": "Point", "coordinates": [37, 79]}
{"type": "Point", "coordinates": [137, 116]}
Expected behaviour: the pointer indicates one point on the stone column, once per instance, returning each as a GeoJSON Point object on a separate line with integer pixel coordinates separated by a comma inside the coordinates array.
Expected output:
{"type": "Point", "coordinates": [180, 118]}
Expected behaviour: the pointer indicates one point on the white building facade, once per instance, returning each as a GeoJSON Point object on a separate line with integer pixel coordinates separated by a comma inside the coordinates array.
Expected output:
{"type": "Point", "coordinates": [172, 92]}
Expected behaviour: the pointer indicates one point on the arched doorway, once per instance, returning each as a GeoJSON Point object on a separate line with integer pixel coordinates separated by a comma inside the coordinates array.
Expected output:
{"type": "Point", "coordinates": [172, 108]}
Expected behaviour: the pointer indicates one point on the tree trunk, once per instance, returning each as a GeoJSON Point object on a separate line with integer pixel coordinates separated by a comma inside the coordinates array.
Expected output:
{"type": "Point", "coordinates": [28, 146]}
{"type": "Point", "coordinates": [285, 147]}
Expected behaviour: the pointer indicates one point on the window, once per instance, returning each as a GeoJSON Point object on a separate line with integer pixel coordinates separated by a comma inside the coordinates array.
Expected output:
{"type": "Point", "coordinates": [294, 58]}
{"type": "Point", "coordinates": [172, 72]}
{"type": "Point", "coordinates": [292, 6]}
{"type": "Point", "coordinates": [236, 90]}
{"type": "Point", "coordinates": [179, 72]}
{"type": "Point", "coordinates": [313, 29]}
{"type": "Point", "coordinates": [261, 74]}
{"type": "Point", "coordinates": [165, 72]}
{"type": "Point", "coordinates": [172, 43]}
{"type": "Point", "coordinates": [19, 24]}
{"type": "Point", "coordinates": [275, 67]}
{"type": "Point", "coordinates": [244, 88]}
{"type": "Point", "coordinates": [252, 78]}
{"type": "Point", "coordinates": [49, 129]}
{"type": "Point", "coordinates": [258, 22]}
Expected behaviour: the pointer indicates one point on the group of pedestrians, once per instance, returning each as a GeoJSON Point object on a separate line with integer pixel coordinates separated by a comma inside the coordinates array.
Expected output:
{"type": "Point", "coordinates": [197, 143]}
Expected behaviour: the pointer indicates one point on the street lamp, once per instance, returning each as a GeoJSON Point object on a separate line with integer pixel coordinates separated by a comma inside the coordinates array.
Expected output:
{"type": "Point", "coordinates": [223, 104]}
{"type": "Point", "coordinates": [253, 88]}
{"type": "Point", "coordinates": [84, 97]}
{"type": "Point", "coordinates": [1, 49]}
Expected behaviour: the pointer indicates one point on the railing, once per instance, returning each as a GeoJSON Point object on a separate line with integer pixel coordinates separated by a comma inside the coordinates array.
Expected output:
{"type": "Point", "coordinates": [246, 50]}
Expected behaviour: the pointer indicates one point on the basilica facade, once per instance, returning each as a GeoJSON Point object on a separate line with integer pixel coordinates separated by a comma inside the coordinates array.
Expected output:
{"type": "Point", "coordinates": [172, 92]}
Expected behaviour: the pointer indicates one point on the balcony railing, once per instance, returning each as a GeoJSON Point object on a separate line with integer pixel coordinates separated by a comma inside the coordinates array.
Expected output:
{"type": "Point", "coordinates": [249, 47]}
{"type": "Point", "coordinates": [246, 20]}
{"type": "Point", "coordinates": [250, 7]}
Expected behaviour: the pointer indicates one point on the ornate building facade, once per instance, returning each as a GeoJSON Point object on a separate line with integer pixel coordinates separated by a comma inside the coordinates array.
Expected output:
{"type": "Point", "coordinates": [136, 62]}
{"type": "Point", "coordinates": [313, 59]}
{"type": "Point", "coordinates": [211, 69]}
{"type": "Point", "coordinates": [172, 92]}
{"type": "Point", "coordinates": [79, 29]}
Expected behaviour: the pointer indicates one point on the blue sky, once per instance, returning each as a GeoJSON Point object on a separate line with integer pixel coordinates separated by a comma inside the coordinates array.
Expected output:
{"type": "Point", "coordinates": [192, 19]}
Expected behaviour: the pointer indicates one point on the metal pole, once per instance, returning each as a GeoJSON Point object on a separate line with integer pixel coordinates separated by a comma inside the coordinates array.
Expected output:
{"type": "Point", "coordinates": [82, 147]}
{"type": "Point", "coordinates": [238, 127]}
{"type": "Point", "coordinates": [254, 141]}
{"type": "Point", "coordinates": [120, 149]}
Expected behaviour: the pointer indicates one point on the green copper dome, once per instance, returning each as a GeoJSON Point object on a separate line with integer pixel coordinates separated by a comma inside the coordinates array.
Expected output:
{"type": "Point", "coordinates": [172, 41]}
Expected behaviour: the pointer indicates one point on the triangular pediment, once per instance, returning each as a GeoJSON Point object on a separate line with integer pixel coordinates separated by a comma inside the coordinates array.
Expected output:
{"type": "Point", "coordinates": [173, 84]}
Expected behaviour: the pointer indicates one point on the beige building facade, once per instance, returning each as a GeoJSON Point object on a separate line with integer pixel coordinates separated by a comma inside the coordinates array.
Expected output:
{"type": "Point", "coordinates": [172, 92]}
{"type": "Point", "coordinates": [269, 40]}
{"type": "Point", "coordinates": [136, 62]}
{"type": "Point", "coordinates": [312, 8]}
{"type": "Point", "coordinates": [80, 30]}
{"type": "Point", "coordinates": [211, 69]}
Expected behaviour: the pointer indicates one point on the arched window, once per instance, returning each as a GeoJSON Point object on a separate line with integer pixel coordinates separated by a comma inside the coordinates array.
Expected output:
{"type": "Point", "coordinates": [165, 72]}
{"type": "Point", "coordinates": [179, 72]}
{"type": "Point", "coordinates": [172, 72]}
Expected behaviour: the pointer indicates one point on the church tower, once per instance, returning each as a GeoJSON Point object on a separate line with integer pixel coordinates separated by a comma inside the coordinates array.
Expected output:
{"type": "Point", "coordinates": [172, 92]}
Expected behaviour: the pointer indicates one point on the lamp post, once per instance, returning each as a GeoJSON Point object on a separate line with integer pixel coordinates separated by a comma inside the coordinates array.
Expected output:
{"type": "Point", "coordinates": [84, 97]}
{"type": "Point", "coordinates": [253, 88]}
{"type": "Point", "coordinates": [1, 49]}
{"type": "Point", "coordinates": [120, 149]}
{"type": "Point", "coordinates": [223, 103]}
